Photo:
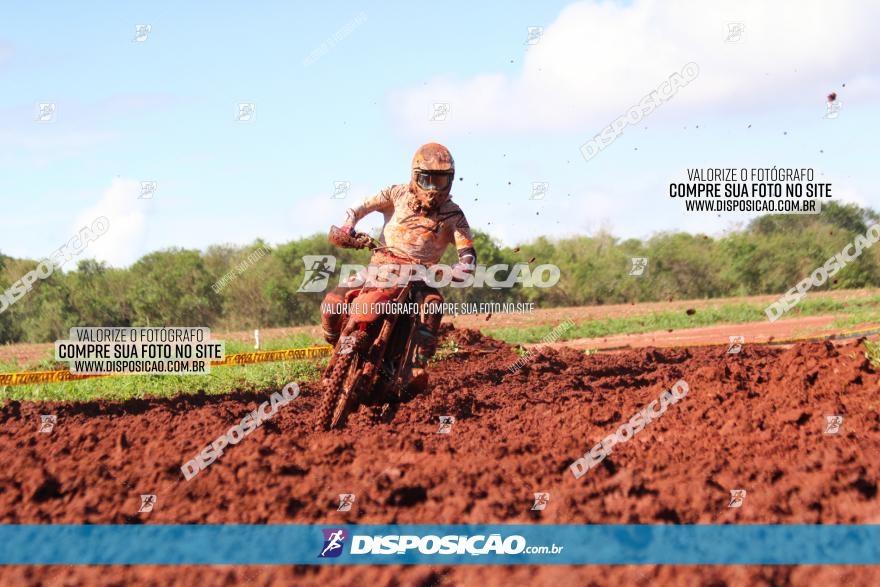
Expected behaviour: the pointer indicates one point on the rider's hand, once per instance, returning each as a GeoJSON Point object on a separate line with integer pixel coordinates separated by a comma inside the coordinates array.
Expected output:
{"type": "Point", "coordinates": [460, 269]}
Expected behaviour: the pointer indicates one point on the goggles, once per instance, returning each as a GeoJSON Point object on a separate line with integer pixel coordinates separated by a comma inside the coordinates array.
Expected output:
{"type": "Point", "coordinates": [433, 181]}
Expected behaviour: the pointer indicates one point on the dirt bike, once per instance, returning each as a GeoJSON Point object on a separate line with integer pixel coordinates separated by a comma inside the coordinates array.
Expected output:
{"type": "Point", "coordinates": [373, 358]}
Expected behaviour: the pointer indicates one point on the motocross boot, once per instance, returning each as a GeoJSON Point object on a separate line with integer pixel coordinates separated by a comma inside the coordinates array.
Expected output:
{"type": "Point", "coordinates": [426, 336]}
{"type": "Point", "coordinates": [425, 349]}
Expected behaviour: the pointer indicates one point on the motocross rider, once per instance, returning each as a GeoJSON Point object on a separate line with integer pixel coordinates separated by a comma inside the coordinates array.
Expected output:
{"type": "Point", "coordinates": [421, 220]}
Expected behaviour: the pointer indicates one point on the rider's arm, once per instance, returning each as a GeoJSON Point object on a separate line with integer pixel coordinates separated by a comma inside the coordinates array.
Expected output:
{"type": "Point", "coordinates": [382, 201]}
{"type": "Point", "coordinates": [464, 243]}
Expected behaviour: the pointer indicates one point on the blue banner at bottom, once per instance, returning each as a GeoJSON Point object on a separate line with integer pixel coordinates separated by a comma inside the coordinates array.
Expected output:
{"type": "Point", "coordinates": [412, 544]}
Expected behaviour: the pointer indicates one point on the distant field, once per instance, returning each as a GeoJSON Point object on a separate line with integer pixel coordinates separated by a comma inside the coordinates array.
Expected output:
{"type": "Point", "coordinates": [846, 313]}
{"type": "Point", "coordinates": [846, 308]}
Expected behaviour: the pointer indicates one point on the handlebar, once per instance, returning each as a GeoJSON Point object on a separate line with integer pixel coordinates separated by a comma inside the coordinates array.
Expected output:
{"type": "Point", "coordinates": [360, 240]}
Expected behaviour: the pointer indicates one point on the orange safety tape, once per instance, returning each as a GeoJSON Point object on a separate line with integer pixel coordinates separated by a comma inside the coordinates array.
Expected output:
{"type": "Point", "coordinates": [31, 377]}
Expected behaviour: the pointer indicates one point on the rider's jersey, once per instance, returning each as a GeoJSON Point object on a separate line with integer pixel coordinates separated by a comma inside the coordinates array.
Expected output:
{"type": "Point", "coordinates": [422, 236]}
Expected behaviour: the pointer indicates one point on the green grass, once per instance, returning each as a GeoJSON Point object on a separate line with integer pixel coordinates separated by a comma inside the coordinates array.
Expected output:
{"type": "Point", "coordinates": [872, 352]}
{"type": "Point", "coordinates": [48, 363]}
{"type": "Point", "coordinates": [288, 342]}
{"type": "Point", "coordinates": [220, 380]}
{"type": "Point", "coordinates": [446, 350]}
{"type": "Point", "coordinates": [858, 311]}
{"type": "Point", "coordinates": [275, 375]}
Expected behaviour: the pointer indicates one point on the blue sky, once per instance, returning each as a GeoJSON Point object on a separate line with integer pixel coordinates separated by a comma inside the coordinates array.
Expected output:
{"type": "Point", "coordinates": [164, 110]}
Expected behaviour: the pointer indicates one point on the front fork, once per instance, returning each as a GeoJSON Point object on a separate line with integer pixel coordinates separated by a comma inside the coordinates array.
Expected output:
{"type": "Point", "coordinates": [412, 355]}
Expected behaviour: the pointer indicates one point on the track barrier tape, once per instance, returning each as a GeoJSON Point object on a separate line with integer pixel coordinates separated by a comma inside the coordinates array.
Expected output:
{"type": "Point", "coordinates": [31, 377]}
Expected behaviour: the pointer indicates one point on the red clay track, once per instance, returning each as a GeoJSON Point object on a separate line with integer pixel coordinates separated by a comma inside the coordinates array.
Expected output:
{"type": "Point", "coordinates": [752, 420]}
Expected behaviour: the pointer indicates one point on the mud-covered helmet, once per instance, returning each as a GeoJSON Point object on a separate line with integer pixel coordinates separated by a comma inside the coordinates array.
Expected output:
{"type": "Point", "coordinates": [433, 170]}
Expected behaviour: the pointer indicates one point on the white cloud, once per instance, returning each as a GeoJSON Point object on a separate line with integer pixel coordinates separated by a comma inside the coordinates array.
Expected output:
{"type": "Point", "coordinates": [123, 243]}
{"type": "Point", "coordinates": [598, 59]}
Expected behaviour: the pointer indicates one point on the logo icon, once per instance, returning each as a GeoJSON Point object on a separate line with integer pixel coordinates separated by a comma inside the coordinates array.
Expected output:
{"type": "Point", "coordinates": [534, 34]}
{"type": "Point", "coordinates": [319, 268]}
{"type": "Point", "coordinates": [47, 422]}
{"type": "Point", "coordinates": [832, 108]}
{"type": "Point", "coordinates": [639, 264]}
{"type": "Point", "coordinates": [735, 32]}
{"type": "Point", "coordinates": [246, 112]}
{"type": "Point", "coordinates": [833, 424]}
{"type": "Point", "coordinates": [346, 500]}
{"type": "Point", "coordinates": [737, 496]}
{"type": "Point", "coordinates": [340, 189]}
{"type": "Point", "coordinates": [45, 112]}
{"type": "Point", "coordinates": [346, 344]}
{"type": "Point", "coordinates": [334, 540]}
{"type": "Point", "coordinates": [147, 503]}
{"type": "Point", "coordinates": [141, 32]}
{"type": "Point", "coordinates": [541, 501]}
{"type": "Point", "coordinates": [439, 112]}
{"type": "Point", "coordinates": [736, 344]}
{"type": "Point", "coordinates": [148, 188]}
{"type": "Point", "coordinates": [540, 190]}
{"type": "Point", "coordinates": [446, 423]}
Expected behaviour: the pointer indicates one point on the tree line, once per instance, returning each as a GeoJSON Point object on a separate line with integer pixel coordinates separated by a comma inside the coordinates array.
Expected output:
{"type": "Point", "coordinates": [231, 287]}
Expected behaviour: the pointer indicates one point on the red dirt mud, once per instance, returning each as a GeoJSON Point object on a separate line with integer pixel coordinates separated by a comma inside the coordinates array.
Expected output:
{"type": "Point", "coordinates": [754, 420]}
